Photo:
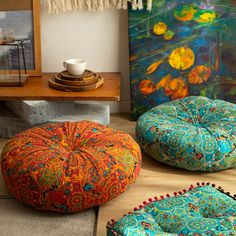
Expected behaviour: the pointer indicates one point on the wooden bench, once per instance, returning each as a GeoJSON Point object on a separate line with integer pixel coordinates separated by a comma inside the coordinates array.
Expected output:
{"type": "Point", "coordinates": [37, 89]}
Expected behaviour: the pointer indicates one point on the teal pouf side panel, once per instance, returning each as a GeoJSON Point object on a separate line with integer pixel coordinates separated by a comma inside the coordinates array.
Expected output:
{"type": "Point", "coordinates": [194, 133]}
{"type": "Point", "coordinates": [202, 210]}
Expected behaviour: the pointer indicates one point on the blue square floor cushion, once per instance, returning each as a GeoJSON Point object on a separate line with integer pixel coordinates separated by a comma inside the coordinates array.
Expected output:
{"type": "Point", "coordinates": [194, 133]}
{"type": "Point", "coordinates": [199, 211]}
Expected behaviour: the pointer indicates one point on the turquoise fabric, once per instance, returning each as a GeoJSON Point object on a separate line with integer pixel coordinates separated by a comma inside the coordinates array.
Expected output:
{"type": "Point", "coordinates": [194, 133]}
{"type": "Point", "coordinates": [202, 211]}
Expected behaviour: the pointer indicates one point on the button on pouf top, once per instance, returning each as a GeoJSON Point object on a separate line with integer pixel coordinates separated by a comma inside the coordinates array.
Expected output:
{"type": "Point", "coordinates": [194, 133]}
{"type": "Point", "coordinates": [69, 167]}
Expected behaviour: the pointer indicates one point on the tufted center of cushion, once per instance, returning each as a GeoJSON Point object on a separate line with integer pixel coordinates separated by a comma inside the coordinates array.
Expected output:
{"type": "Point", "coordinates": [71, 138]}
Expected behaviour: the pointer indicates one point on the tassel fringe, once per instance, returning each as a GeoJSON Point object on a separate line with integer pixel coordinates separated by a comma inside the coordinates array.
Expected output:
{"type": "Point", "coordinates": [57, 6]}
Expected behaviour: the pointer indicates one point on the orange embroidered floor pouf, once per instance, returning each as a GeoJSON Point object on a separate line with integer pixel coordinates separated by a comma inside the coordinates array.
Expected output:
{"type": "Point", "coordinates": [69, 167]}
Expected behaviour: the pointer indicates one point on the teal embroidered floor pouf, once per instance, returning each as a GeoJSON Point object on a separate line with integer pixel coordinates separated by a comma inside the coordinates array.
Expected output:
{"type": "Point", "coordinates": [200, 211]}
{"type": "Point", "coordinates": [194, 133]}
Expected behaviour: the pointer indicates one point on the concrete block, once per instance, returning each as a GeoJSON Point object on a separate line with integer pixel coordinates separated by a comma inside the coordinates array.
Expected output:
{"type": "Point", "coordinates": [94, 112]}
{"type": "Point", "coordinates": [10, 123]}
{"type": "Point", "coordinates": [38, 112]}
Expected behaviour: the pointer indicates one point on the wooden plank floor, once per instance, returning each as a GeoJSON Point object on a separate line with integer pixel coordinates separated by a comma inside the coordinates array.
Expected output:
{"type": "Point", "coordinates": [155, 179]}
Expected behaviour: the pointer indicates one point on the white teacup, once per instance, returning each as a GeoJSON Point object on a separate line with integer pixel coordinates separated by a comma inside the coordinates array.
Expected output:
{"type": "Point", "coordinates": [75, 66]}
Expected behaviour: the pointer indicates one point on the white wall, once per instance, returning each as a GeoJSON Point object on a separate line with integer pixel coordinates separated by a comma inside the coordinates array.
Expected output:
{"type": "Point", "coordinates": [99, 37]}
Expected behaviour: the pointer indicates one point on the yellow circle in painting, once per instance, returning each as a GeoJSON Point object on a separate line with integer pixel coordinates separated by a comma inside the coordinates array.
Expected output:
{"type": "Point", "coordinates": [182, 58]}
{"type": "Point", "coordinates": [159, 28]}
{"type": "Point", "coordinates": [205, 17]}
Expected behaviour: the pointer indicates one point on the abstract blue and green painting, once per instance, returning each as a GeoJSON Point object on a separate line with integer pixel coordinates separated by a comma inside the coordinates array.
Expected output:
{"type": "Point", "coordinates": [182, 48]}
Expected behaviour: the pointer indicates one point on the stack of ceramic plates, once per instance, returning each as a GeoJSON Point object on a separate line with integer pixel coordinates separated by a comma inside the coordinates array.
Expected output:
{"type": "Point", "coordinates": [77, 83]}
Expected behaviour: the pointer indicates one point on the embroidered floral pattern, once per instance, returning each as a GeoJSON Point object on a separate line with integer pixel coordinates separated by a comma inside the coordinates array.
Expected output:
{"type": "Point", "coordinates": [194, 133]}
{"type": "Point", "coordinates": [190, 218]}
{"type": "Point", "coordinates": [69, 167]}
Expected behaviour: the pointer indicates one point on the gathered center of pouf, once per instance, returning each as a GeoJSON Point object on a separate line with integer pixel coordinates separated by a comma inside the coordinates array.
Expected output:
{"type": "Point", "coordinates": [70, 166]}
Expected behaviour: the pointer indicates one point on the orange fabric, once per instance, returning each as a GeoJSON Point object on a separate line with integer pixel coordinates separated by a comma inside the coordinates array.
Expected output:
{"type": "Point", "coordinates": [69, 167]}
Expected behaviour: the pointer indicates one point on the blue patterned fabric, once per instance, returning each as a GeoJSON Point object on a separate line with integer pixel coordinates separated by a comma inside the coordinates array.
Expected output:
{"type": "Point", "coordinates": [194, 133]}
{"type": "Point", "coordinates": [202, 211]}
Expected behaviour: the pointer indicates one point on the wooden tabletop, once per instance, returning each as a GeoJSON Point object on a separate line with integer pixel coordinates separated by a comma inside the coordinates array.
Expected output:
{"type": "Point", "coordinates": [37, 89]}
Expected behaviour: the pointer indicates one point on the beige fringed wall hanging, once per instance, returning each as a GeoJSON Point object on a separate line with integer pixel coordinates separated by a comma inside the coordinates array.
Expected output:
{"type": "Point", "coordinates": [56, 6]}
